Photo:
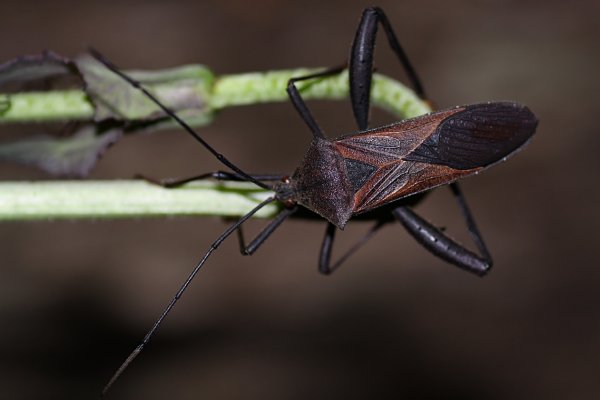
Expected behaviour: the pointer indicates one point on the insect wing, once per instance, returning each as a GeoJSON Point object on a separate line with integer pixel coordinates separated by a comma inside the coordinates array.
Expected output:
{"type": "Point", "coordinates": [395, 161]}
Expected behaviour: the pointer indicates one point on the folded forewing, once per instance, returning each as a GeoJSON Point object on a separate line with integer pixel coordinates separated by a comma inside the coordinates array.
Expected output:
{"type": "Point", "coordinates": [398, 160]}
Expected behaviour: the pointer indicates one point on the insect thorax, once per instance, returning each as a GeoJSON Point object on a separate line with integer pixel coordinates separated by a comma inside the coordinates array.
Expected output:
{"type": "Point", "coordinates": [321, 183]}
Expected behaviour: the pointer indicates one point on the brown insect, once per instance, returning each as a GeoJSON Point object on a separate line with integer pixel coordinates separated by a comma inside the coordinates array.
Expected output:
{"type": "Point", "coordinates": [374, 173]}
{"type": "Point", "coordinates": [353, 174]}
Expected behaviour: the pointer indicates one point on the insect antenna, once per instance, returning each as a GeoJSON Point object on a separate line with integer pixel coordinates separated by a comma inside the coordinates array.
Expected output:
{"type": "Point", "coordinates": [108, 64]}
{"type": "Point", "coordinates": [179, 293]}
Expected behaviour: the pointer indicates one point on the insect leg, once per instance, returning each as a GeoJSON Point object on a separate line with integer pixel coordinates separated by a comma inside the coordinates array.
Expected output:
{"type": "Point", "coordinates": [442, 245]}
{"type": "Point", "coordinates": [264, 234]}
{"type": "Point", "coordinates": [299, 103]}
{"type": "Point", "coordinates": [325, 266]}
{"type": "Point", "coordinates": [217, 175]}
{"type": "Point", "coordinates": [361, 62]}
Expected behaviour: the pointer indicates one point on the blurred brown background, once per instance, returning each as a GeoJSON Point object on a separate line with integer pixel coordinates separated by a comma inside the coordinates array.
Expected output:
{"type": "Point", "coordinates": [395, 321]}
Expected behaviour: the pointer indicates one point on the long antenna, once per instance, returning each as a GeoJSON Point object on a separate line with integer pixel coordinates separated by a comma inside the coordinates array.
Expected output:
{"type": "Point", "coordinates": [108, 64]}
{"type": "Point", "coordinates": [182, 289]}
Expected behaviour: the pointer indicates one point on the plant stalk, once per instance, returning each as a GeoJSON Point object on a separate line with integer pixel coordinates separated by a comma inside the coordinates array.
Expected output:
{"type": "Point", "coordinates": [51, 200]}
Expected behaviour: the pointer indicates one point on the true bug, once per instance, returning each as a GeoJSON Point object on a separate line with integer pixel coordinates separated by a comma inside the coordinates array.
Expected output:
{"type": "Point", "coordinates": [377, 171]}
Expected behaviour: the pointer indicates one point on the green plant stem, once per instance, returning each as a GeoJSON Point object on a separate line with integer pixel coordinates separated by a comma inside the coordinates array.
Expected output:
{"type": "Point", "coordinates": [46, 106]}
{"type": "Point", "coordinates": [50, 200]}
{"type": "Point", "coordinates": [227, 91]}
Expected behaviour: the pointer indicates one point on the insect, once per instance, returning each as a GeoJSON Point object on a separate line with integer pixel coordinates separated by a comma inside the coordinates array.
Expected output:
{"type": "Point", "coordinates": [375, 172]}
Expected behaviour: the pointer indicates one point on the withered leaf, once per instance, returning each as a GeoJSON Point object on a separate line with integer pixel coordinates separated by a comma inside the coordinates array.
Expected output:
{"type": "Point", "coordinates": [40, 66]}
{"type": "Point", "coordinates": [72, 156]}
{"type": "Point", "coordinates": [183, 89]}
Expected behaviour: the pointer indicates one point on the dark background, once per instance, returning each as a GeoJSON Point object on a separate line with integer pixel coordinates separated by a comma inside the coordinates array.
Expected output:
{"type": "Point", "coordinates": [75, 297]}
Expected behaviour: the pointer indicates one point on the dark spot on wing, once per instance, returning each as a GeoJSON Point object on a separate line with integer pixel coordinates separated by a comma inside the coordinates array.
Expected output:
{"type": "Point", "coordinates": [480, 135]}
{"type": "Point", "coordinates": [358, 173]}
